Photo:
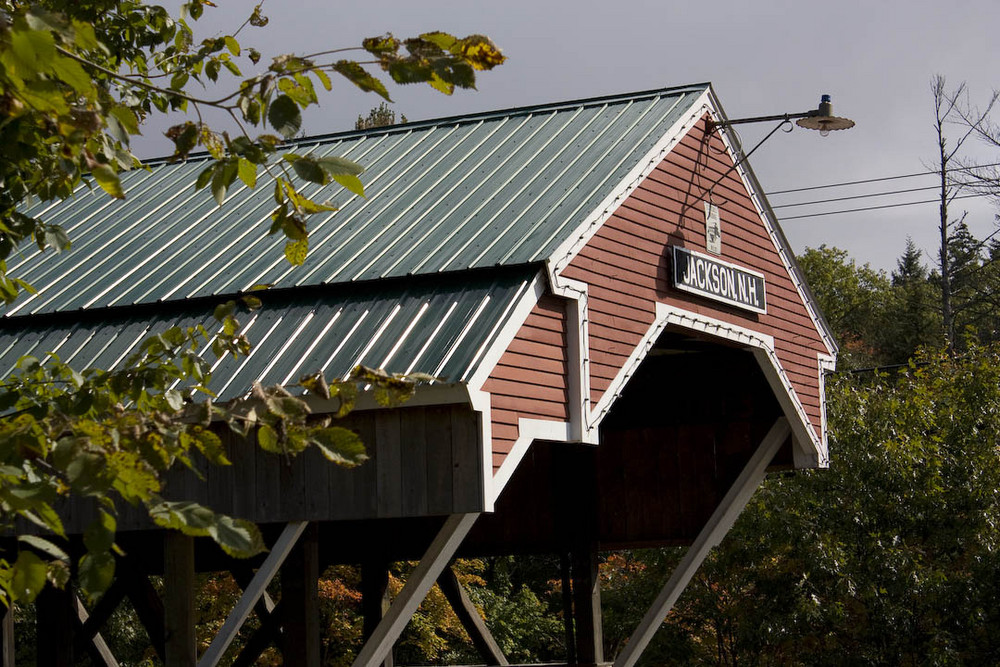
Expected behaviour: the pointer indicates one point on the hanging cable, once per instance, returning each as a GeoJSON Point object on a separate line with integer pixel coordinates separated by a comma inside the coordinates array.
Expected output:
{"type": "Point", "coordinates": [875, 208]}
{"type": "Point", "coordinates": [866, 196]}
{"type": "Point", "coordinates": [878, 180]}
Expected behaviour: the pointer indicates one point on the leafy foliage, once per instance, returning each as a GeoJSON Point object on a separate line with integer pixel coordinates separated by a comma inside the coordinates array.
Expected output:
{"type": "Point", "coordinates": [78, 78]}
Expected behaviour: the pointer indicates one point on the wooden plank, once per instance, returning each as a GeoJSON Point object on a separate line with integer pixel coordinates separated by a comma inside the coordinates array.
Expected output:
{"type": "Point", "coordinates": [435, 559]}
{"type": "Point", "coordinates": [439, 460]}
{"type": "Point", "coordinates": [261, 638]}
{"type": "Point", "coordinates": [466, 453]}
{"type": "Point", "coordinates": [267, 484]}
{"type": "Point", "coordinates": [388, 464]}
{"type": "Point", "coordinates": [253, 592]}
{"type": "Point", "coordinates": [293, 492]}
{"type": "Point", "coordinates": [413, 459]}
{"type": "Point", "coordinates": [300, 602]}
{"type": "Point", "coordinates": [7, 647]}
{"type": "Point", "coordinates": [470, 619]}
{"type": "Point", "coordinates": [316, 494]}
{"type": "Point", "coordinates": [180, 640]}
{"type": "Point", "coordinates": [244, 457]}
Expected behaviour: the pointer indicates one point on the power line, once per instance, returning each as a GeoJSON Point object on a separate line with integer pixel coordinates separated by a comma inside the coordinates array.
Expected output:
{"type": "Point", "coordinates": [878, 180]}
{"type": "Point", "coordinates": [875, 208]}
{"type": "Point", "coordinates": [866, 196]}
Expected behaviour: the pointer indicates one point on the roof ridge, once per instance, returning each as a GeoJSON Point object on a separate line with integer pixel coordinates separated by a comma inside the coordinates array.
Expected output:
{"type": "Point", "coordinates": [460, 119]}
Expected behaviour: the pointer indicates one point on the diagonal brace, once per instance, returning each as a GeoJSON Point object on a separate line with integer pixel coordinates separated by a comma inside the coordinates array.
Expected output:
{"type": "Point", "coordinates": [435, 559]}
{"type": "Point", "coordinates": [289, 536]}
{"type": "Point", "coordinates": [711, 534]}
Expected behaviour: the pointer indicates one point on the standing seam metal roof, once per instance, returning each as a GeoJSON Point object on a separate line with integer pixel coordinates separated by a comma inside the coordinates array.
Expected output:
{"type": "Point", "coordinates": [482, 191]}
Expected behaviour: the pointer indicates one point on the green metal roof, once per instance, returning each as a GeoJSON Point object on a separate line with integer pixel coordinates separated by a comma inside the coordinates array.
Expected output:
{"type": "Point", "coordinates": [425, 325]}
{"type": "Point", "coordinates": [486, 190]}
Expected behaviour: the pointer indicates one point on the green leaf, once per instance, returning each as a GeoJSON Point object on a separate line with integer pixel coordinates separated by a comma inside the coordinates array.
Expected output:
{"type": "Point", "coordinates": [188, 517]}
{"type": "Point", "coordinates": [237, 537]}
{"type": "Point", "coordinates": [248, 172]}
{"type": "Point", "coordinates": [109, 181]}
{"type": "Point", "coordinates": [43, 545]}
{"type": "Point", "coordinates": [205, 177]}
{"type": "Point", "coordinates": [296, 251]}
{"type": "Point", "coordinates": [340, 445]}
{"type": "Point", "coordinates": [100, 534]}
{"type": "Point", "coordinates": [361, 78]}
{"type": "Point", "coordinates": [268, 439]}
{"type": "Point", "coordinates": [309, 170]}
{"type": "Point", "coordinates": [232, 45]}
{"type": "Point", "coordinates": [284, 116]}
{"type": "Point", "coordinates": [71, 73]}
{"type": "Point", "coordinates": [28, 577]}
{"type": "Point", "coordinates": [96, 572]}
{"type": "Point", "coordinates": [351, 182]}
{"type": "Point", "coordinates": [340, 165]}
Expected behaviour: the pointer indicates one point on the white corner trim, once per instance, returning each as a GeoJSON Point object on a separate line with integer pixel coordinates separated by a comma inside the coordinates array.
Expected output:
{"type": "Point", "coordinates": [577, 352]}
{"type": "Point", "coordinates": [528, 430]}
{"type": "Point", "coordinates": [827, 364]}
{"type": "Point", "coordinates": [503, 339]}
{"type": "Point", "coordinates": [579, 237]}
{"type": "Point", "coordinates": [480, 402]}
{"type": "Point", "coordinates": [766, 216]}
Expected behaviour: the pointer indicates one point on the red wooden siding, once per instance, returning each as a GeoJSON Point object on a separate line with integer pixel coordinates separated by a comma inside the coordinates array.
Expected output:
{"type": "Point", "coordinates": [530, 380]}
{"type": "Point", "coordinates": [627, 267]}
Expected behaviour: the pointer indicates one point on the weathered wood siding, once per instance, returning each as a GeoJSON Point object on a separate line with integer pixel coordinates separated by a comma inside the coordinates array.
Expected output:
{"type": "Point", "coordinates": [530, 380]}
{"type": "Point", "coordinates": [627, 265]}
{"type": "Point", "coordinates": [423, 461]}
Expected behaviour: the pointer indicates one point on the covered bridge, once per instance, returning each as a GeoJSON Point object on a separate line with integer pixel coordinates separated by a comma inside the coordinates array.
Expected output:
{"type": "Point", "coordinates": [623, 341]}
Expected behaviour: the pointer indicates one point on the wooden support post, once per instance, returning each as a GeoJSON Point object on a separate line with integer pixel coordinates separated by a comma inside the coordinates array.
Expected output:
{"type": "Point", "coordinates": [587, 606]}
{"type": "Point", "coordinates": [375, 600]}
{"type": "Point", "coordinates": [55, 626]}
{"type": "Point", "coordinates": [435, 559]}
{"type": "Point", "coordinates": [469, 616]}
{"type": "Point", "coordinates": [180, 642]}
{"type": "Point", "coordinates": [567, 603]}
{"type": "Point", "coordinates": [289, 536]}
{"type": "Point", "coordinates": [711, 534]}
{"type": "Point", "coordinates": [6, 636]}
{"type": "Point", "coordinates": [300, 602]}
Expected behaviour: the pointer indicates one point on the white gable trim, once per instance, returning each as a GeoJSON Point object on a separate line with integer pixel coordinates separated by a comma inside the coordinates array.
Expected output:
{"type": "Point", "coordinates": [810, 450]}
{"type": "Point", "coordinates": [579, 237]}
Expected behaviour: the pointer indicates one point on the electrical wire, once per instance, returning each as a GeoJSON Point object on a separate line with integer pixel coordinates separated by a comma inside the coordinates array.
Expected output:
{"type": "Point", "coordinates": [878, 180]}
{"type": "Point", "coordinates": [875, 208]}
{"type": "Point", "coordinates": [865, 196]}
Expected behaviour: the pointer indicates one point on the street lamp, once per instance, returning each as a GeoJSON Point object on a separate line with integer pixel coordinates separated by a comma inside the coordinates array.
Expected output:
{"type": "Point", "coordinates": [820, 118]}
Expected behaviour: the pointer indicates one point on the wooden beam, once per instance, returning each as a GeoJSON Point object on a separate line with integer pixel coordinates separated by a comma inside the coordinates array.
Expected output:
{"type": "Point", "coordinates": [7, 636]}
{"type": "Point", "coordinates": [146, 602]}
{"type": "Point", "coordinates": [711, 534]}
{"type": "Point", "coordinates": [100, 654]}
{"type": "Point", "coordinates": [289, 536]}
{"type": "Point", "coordinates": [267, 633]}
{"type": "Point", "coordinates": [55, 627]}
{"type": "Point", "coordinates": [469, 616]}
{"type": "Point", "coordinates": [587, 606]}
{"type": "Point", "coordinates": [180, 640]}
{"type": "Point", "coordinates": [102, 611]}
{"type": "Point", "coordinates": [375, 600]}
{"type": "Point", "coordinates": [300, 602]}
{"type": "Point", "coordinates": [435, 559]}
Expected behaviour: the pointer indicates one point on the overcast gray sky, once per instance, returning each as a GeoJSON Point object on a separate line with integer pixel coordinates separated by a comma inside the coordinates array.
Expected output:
{"type": "Point", "coordinates": [876, 57]}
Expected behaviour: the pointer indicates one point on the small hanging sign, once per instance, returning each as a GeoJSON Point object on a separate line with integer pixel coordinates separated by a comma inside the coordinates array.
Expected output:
{"type": "Point", "coordinates": [713, 229]}
{"type": "Point", "coordinates": [717, 280]}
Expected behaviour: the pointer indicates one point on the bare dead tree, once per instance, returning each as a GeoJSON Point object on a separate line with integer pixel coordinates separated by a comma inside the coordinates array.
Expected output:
{"type": "Point", "coordinates": [953, 110]}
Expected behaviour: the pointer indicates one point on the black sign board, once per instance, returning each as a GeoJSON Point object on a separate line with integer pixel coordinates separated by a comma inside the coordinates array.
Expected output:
{"type": "Point", "coordinates": [721, 281]}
